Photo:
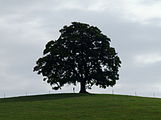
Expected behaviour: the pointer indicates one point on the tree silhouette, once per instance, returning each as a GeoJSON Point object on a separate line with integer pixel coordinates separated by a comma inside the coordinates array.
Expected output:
{"type": "Point", "coordinates": [82, 54]}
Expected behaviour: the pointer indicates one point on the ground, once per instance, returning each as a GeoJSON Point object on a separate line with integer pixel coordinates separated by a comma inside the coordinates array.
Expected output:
{"type": "Point", "coordinates": [80, 107]}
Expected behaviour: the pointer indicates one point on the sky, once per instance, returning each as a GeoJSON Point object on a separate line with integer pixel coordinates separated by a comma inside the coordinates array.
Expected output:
{"type": "Point", "coordinates": [133, 25]}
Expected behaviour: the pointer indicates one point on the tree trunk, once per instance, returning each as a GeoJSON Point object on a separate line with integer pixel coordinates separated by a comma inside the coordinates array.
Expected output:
{"type": "Point", "coordinates": [83, 87]}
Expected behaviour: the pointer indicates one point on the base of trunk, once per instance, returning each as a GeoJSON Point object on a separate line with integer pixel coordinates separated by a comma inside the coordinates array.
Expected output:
{"type": "Point", "coordinates": [83, 92]}
{"type": "Point", "coordinates": [83, 87]}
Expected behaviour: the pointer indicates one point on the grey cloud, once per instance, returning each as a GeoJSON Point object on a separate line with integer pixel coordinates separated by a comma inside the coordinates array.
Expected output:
{"type": "Point", "coordinates": [25, 27]}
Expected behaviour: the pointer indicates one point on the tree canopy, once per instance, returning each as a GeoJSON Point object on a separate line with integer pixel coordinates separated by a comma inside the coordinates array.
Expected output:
{"type": "Point", "coordinates": [82, 54]}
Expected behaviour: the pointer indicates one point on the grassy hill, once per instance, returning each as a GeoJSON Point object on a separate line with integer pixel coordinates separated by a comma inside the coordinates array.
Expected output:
{"type": "Point", "coordinates": [80, 107]}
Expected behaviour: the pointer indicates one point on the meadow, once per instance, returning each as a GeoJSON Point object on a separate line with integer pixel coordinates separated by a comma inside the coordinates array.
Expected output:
{"type": "Point", "coordinates": [80, 107]}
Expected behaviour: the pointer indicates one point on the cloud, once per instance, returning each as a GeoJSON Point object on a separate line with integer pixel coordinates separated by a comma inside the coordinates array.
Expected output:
{"type": "Point", "coordinates": [145, 12]}
{"type": "Point", "coordinates": [140, 11]}
{"type": "Point", "coordinates": [134, 10]}
{"type": "Point", "coordinates": [147, 59]}
{"type": "Point", "coordinates": [26, 26]}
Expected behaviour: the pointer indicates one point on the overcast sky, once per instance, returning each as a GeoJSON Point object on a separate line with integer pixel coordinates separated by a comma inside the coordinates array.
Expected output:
{"type": "Point", "coordinates": [134, 27]}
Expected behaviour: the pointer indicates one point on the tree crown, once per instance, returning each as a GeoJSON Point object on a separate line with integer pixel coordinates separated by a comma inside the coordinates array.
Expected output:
{"type": "Point", "coordinates": [81, 54]}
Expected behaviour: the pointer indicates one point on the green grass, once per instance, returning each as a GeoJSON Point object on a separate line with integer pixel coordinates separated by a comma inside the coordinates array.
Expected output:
{"type": "Point", "coordinates": [80, 107]}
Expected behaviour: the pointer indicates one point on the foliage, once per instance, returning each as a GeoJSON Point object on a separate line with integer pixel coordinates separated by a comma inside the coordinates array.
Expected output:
{"type": "Point", "coordinates": [81, 54]}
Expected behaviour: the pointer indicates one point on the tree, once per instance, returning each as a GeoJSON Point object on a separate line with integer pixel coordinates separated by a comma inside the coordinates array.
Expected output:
{"type": "Point", "coordinates": [82, 54]}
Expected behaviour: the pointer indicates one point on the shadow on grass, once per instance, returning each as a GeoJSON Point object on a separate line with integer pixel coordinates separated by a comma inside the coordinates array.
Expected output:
{"type": "Point", "coordinates": [43, 97]}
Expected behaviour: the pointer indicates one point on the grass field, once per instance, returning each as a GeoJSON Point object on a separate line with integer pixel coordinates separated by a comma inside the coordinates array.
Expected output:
{"type": "Point", "coordinates": [80, 107]}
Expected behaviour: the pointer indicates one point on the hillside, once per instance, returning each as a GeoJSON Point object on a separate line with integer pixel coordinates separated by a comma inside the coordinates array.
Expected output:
{"type": "Point", "coordinates": [80, 107]}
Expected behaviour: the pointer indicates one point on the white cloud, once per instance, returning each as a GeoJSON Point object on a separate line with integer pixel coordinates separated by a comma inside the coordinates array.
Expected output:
{"type": "Point", "coordinates": [139, 11]}
{"type": "Point", "coordinates": [147, 58]}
